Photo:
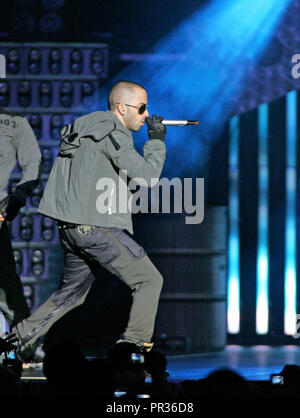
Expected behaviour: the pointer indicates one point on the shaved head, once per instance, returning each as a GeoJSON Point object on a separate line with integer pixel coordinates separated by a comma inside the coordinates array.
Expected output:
{"type": "Point", "coordinates": [125, 100]}
{"type": "Point", "coordinates": [122, 92]}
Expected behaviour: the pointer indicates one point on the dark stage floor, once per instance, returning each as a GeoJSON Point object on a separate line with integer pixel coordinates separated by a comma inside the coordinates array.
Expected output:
{"type": "Point", "coordinates": [253, 363]}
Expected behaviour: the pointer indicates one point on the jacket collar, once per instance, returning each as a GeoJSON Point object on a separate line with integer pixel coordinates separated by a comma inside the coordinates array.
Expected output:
{"type": "Point", "coordinates": [119, 124]}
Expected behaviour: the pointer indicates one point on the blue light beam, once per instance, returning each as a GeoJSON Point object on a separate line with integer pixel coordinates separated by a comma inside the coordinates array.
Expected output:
{"type": "Point", "coordinates": [290, 279]}
{"type": "Point", "coordinates": [233, 286]}
{"type": "Point", "coordinates": [200, 69]}
{"type": "Point", "coordinates": [262, 287]}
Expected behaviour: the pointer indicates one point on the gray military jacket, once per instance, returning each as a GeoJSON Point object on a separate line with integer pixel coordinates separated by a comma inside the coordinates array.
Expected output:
{"type": "Point", "coordinates": [87, 182]}
{"type": "Point", "coordinates": [18, 144]}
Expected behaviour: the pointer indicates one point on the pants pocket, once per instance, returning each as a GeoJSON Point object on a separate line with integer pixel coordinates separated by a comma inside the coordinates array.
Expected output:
{"type": "Point", "coordinates": [134, 249]}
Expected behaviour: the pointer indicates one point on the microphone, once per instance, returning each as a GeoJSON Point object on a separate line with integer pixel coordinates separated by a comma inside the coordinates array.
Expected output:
{"type": "Point", "coordinates": [179, 122]}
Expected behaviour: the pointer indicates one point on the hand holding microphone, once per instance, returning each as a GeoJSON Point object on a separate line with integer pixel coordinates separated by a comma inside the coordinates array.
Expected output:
{"type": "Point", "coordinates": [156, 129]}
{"type": "Point", "coordinates": [157, 126]}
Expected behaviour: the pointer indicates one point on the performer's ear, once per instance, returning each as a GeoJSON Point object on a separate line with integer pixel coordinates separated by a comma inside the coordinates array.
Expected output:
{"type": "Point", "coordinates": [121, 108]}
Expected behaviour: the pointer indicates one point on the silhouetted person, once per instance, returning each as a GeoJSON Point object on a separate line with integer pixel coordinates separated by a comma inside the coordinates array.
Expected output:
{"type": "Point", "coordinates": [8, 384]}
{"type": "Point", "coordinates": [291, 377]}
{"type": "Point", "coordinates": [128, 369]}
{"type": "Point", "coordinates": [225, 383]}
{"type": "Point", "coordinates": [65, 369]}
{"type": "Point", "coordinates": [18, 145]}
{"type": "Point", "coordinates": [99, 379]}
{"type": "Point", "coordinates": [160, 388]}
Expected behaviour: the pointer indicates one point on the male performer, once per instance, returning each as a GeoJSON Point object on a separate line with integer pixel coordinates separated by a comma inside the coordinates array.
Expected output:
{"type": "Point", "coordinates": [96, 146]}
{"type": "Point", "coordinates": [17, 144]}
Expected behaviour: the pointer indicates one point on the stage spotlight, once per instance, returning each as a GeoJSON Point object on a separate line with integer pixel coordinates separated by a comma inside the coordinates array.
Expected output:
{"type": "Point", "coordinates": [47, 160]}
{"type": "Point", "coordinates": [4, 93]}
{"type": "Point", "coordinates": [28, 291]}
{"type": "Point", "coordinates": [66, 94]}
{"type": "Point", "coordinates": [36, 124]}
{"type": "Point", "coordinates": [37, 270]}
{"type": "Point", "coordinates": [24, 93]}
{"type": "Point", "coordinates": [34, 61]}
{"type": "Point", "coordinates": [51, 23]}
{"type": "Point", "coordinates": [13, 61]}
{"type": "Point", "coordinates": [97, 60]}
{"type": "Point", "coordinates": [56, 124]}
{"type": "Point", "coordinates": [24, 23]}
{"type": "Point", "coordinates": [55, 61]}
{"type": "Point", "coordinates": [24, 4]}
{"type": "Point", "coordinates": [37, 262]}
{"type": "Point", "coordinates": [45, 92]}
{"type": "Point", "coordinates": [76, 61]}
{"type": "Point", "coordinates": [26, 227]}
{"type": "Point", "coordinates": [87, 93]}
{"type": "Point", "coordinates": [36, 195]}
{"type": "Point", "coordinates": [48, 228]}
{"type": "Point", "coordinates": [29, 295]}
{"type": "Point", "coordinates": [37, 257]}
{"type": "Point", "coordinates": [18, 257]}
